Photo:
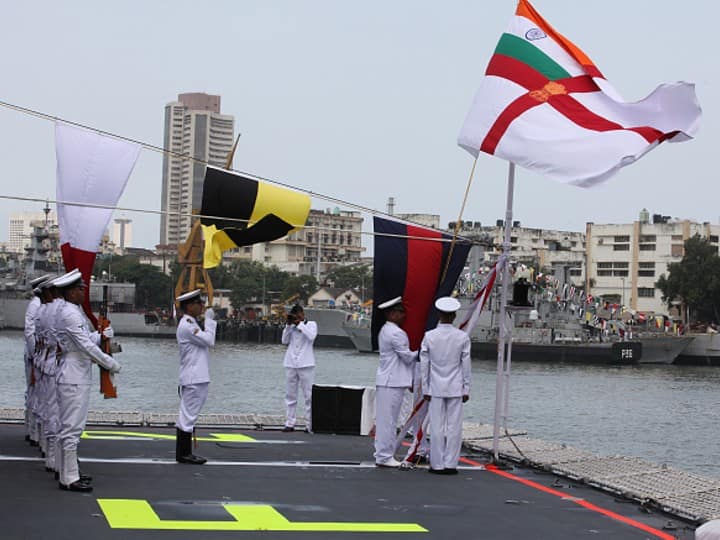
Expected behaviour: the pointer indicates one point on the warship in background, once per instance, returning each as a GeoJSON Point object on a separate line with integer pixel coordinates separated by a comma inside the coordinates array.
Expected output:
{"type": "Point", "coordinates": [549, 332]}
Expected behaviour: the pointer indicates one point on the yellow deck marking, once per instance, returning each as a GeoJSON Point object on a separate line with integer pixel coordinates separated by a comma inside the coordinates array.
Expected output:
{"type": "Point", "coordinates": [214, 437]}
{"type": "Point", "coordinates": [138, 514]}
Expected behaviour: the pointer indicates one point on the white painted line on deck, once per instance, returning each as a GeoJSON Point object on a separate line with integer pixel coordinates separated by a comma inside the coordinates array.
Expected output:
{"type": "Point", "coordinates": [289, 464]}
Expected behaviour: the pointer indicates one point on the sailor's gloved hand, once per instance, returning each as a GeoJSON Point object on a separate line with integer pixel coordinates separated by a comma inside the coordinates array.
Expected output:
{"type": "Point", "coordinates": [108, 332]}
{"type": "Point", "coordinates": [210, 314]}
{"type": "Point", "coordinates": [115, 367]}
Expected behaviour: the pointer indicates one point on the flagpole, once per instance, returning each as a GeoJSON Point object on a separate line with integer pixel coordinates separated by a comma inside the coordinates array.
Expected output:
{"type": "Point", "coordinates": [503, 339]}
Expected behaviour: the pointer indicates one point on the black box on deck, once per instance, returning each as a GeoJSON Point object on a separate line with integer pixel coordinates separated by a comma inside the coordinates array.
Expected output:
{"type": "Point", "coordinates": [337, 409]}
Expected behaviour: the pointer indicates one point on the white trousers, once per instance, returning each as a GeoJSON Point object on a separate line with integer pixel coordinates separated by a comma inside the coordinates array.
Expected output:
{"type": "Point", "coordinates": [192, 399]}
{"type": "Point", "coordinates": [304, 378]}
{"type": "Point", "coordinates": [387, 407]}
{"type": "Point", "coordinates": [52, 421]}
{"type": "Point", "coordinates": [73, 401]}
{"type": "Point", "coordinates": [445, 432]}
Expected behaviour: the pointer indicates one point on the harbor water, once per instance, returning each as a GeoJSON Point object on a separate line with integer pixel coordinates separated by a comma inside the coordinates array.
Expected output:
{"type": "Point", "coordinates": [664, 414]}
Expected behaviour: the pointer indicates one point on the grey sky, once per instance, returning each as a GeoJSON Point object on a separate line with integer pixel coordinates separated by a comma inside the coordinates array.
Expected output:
{"type": "Point", "coordinates": [355, 100]}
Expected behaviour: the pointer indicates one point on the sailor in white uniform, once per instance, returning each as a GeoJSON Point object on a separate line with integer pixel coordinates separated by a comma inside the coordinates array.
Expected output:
{"type": "Point", "coordinates": [74, 375]}
{"type": "Point", "coordinates": [445, 368]}
{"type": "Point", "coordinates": [194, 343]}
{"type": "Point", "coordinates": [30, 314]}
{"type": "Point", "coordinates": [43, 322]}
{"type": "Point", "coordinates": [51, 418]}
{"type": "Point", "coordinates": [299, 335]}
{"type": "Point", "coordinates": [394, 376]}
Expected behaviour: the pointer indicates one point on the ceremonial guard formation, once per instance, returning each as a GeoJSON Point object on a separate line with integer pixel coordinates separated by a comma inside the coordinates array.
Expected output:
{"type": "Point", "coordinates": [60, 351]}
{"type": "Point", "coordinates": [445, 369]}
{"type": "Point", "coordinates": [299, 335]}
{"type": "Point", "coordinates": [394, 376]}
{"type": "Point", "coordinates": [194, 342]}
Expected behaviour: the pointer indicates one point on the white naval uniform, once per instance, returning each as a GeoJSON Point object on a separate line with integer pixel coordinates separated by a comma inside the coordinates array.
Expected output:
{"type": "Point", "coordinates": [299, 366]}
{"type": "Point", "coordinates": [51, 417]}
{"type": "Point", "coordinates": [194, 344]}
{"type": "Point", "coordinates": [394, 375]}
{"type": "Point", "coordinates": [74, 376]}
{"type": "Point", "coordinates": [43, 321]}
{"type": "Point", "coordinates": [36, 396]}
{"type": "Point", "coordinates": [445, 368]}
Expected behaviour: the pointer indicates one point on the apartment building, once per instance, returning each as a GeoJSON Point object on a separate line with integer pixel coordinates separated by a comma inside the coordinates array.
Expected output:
{"type": "Point", "coordinates": [625, 260]}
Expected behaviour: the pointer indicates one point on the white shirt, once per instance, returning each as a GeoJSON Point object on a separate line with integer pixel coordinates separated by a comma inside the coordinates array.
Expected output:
{"type": "Point", "coordinates": [30, 313]}
{"type": "Point", "coordinates": [299, 339]}
{"type": "Point", "coordinates": [194, 344]}
{"type": "Point", "coordinates": [397, 361]}
{"type": "Point", "coordinates": [79, 347]}
{"type": "Point", "coordinates": [445, 362]}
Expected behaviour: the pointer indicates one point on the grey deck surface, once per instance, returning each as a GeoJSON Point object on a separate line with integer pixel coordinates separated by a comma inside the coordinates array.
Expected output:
{"type": "Point", "coordinates": [306, 478]}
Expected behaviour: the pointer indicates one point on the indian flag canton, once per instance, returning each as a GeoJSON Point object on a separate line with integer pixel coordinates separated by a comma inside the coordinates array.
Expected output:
{"type": "Point", "coordinates": [544, 105]}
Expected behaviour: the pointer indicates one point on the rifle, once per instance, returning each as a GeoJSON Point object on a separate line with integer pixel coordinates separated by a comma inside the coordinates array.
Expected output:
{"type": "Point", "coordinates": [107, 385]}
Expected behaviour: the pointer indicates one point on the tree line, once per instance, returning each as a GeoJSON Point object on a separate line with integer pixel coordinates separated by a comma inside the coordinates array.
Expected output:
{"type": "Point", "coordinates": [248, 281]}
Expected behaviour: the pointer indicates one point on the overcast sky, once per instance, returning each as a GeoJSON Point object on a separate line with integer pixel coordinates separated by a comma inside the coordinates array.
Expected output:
{"type": "Point", "coordinates": [354, 100]}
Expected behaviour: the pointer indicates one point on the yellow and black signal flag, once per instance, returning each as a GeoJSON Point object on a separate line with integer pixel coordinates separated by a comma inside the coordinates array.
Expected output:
{"type": "Point", "coordinates": [270, 212]}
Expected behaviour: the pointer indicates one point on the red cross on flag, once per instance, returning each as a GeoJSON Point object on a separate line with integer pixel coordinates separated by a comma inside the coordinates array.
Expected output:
{"type": "Point", "coordinates": [545, 106]}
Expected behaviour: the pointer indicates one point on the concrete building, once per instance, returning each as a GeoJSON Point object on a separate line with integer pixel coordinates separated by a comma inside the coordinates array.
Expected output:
{"type": "Point", "coordinates": [333, 233]}
{"type": "Point", "coordinates": [560, 253]}
{"type": "Point", "coordinates": [21, 226]}
{"type": "Point", "coordinates": [625, 260]}
{"type": "Point", "coordinates": [194, 127]}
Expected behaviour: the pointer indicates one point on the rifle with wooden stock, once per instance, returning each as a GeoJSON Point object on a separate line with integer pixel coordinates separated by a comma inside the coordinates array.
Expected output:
{"type": "Point", "coordinates": [107, 384]}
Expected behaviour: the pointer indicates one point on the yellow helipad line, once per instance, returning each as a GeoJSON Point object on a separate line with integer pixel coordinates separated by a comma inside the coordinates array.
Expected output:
{"type": "Point", "coordinates": [119, 435]}
{"type": "Point", "coordinates": [138, 514]}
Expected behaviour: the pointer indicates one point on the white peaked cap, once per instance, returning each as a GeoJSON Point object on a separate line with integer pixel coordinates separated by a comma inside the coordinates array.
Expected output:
{"type": "Point", "coordinates": [50, 282]}
{"type": "Point", "coordinates": [390, 303]}
{"type": "Point", "coordinates": [38, 280]}
{"type": "Point", "coordinates": [189, 295]}
{"type": "Point", "coordinates": [66, 280]}
{"type": "Point", "coordinates": [447, 304]}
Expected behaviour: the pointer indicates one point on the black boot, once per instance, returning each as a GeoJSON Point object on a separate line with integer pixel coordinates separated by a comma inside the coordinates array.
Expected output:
{"type": "Point", "coordinates": [183, 449]}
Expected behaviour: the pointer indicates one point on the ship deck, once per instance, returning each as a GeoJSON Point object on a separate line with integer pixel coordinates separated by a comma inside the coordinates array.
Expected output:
{"type": "Point", "coordinates": [270, 484]}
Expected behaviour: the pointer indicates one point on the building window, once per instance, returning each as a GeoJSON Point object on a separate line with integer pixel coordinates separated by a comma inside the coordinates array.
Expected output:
{"type": "Point", "coordinates": [647, 238]}
{"type": "Point", "coordinates": [646, 292]}
{"type": "Point", "coordinates": [647, 247]}
{"type": "Point", "coordinates": [677, 237]}
{"type": "Point", "coordinates": [615, 268]}
{"type": "Point", "coordinates": [646, 269]}
{"type": "Point", "coordinates": [713, 239]}
{"type": "Point", "coordinates": [676, 250]}
{"type": "Point", "coordinates": [622, 239]}
{"type": "Point", "coordinates": [621, 247]}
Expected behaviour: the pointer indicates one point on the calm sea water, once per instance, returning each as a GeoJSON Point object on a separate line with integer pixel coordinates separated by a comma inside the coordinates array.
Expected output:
{"type": "Point", "coordinates": [665, 414]}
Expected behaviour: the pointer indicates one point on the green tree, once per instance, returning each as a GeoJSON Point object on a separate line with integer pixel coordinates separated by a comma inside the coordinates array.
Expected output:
{"type": "Point", "coordinates": [304, 286]}
{"type": "Point", "coordinates": [355, 276]}
{"type": "Point", "coordinates": [152, 287]}
{"type": "Point", "coordinates": [695, 280]}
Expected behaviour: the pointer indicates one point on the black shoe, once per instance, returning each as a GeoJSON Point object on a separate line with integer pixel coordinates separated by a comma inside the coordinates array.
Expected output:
{"type": "Point", "coordinates": [79, 485]}
{"type": "Point", "coordinates": [191, 459]}
{"type": "Point", "coordinates": [27, 438]}
{"type": "Point", "coordinates": [85, 478]}
{"type": "Point", "coordinates": [450, 471]}
{"type": "Point", "coordinates": [436, 471]}
{"type": "Point", "coordinates": [33, 443]}
{"type": "Point", "coordinates": [57, 475]}
{"type": "Point", "coordinates": [287, 429]}
{"type": "Point", "coordinates": [48, 469]}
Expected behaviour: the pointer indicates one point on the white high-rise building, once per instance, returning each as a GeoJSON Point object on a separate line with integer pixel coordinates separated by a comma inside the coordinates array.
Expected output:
{"type": "Point", "coordinates": [193, 127]}
{"type": "Point", "coordinates": [20, 228]}
{"type": "Point", "coordinates": [121, 234]}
